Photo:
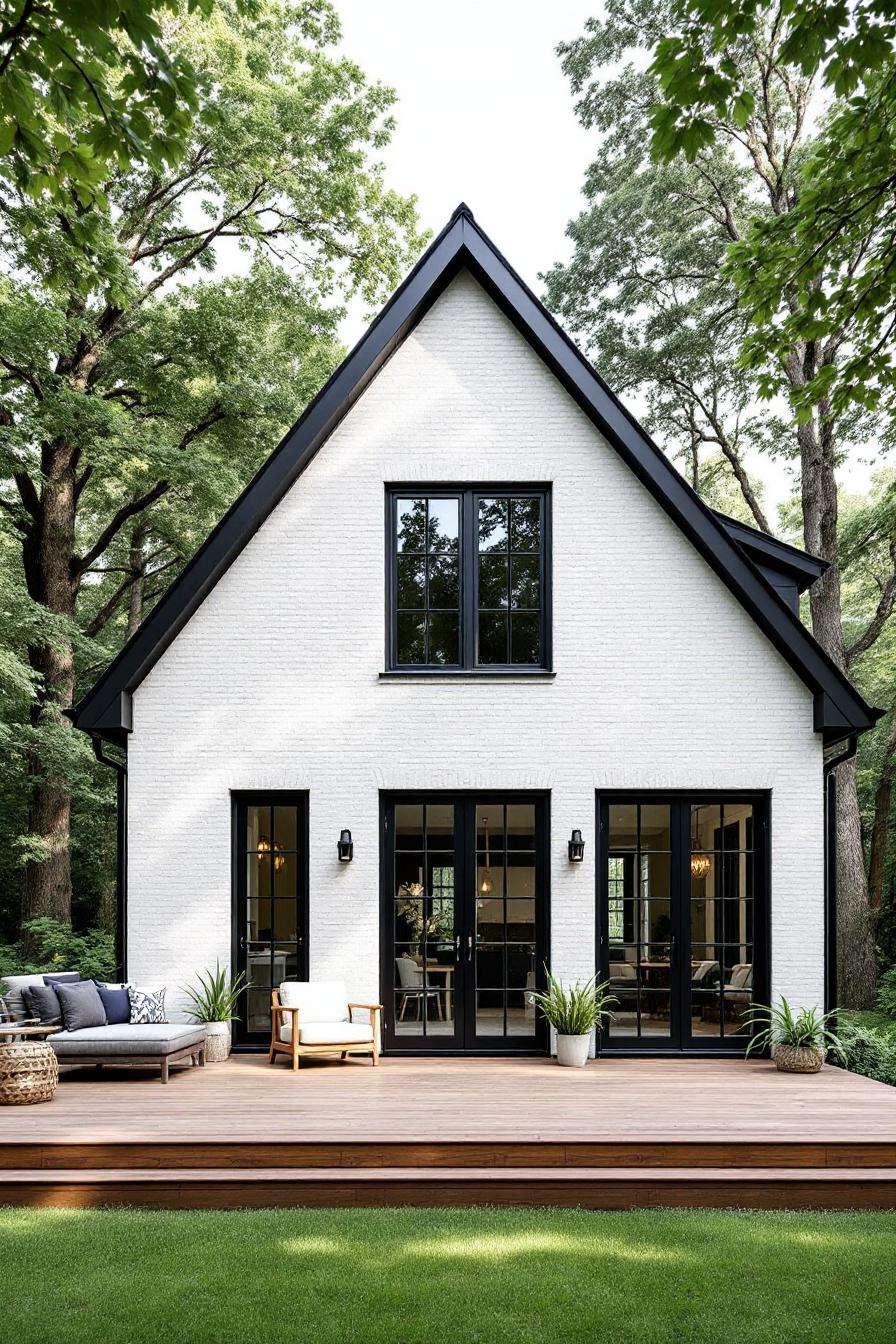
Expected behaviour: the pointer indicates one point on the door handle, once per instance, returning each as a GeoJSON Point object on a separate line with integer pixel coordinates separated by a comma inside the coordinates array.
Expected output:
{"type": "Point", "coordinates": [457, 947]}
{"type": "Point", "coordinates": [469, 947]}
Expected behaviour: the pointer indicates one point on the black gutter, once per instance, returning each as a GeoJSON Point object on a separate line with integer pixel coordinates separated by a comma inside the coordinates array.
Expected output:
{"type": "Point", "coordinates": [121, 855]}
{"type": "Point", "coordinates": [830, 870]}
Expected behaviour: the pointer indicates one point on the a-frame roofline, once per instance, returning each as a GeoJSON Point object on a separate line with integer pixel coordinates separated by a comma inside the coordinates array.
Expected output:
{"type": "Point", "coordinates": [839, 708]}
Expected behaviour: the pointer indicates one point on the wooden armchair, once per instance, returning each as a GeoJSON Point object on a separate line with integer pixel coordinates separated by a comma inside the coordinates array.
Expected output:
{"type": "Point", "coordinates": [316, 1018]}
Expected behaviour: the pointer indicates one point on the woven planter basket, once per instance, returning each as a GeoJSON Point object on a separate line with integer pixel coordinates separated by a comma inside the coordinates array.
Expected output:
{"type": "Point", "coordinates": [798, 1058]}
{"type": "Point", "coordinates": [217, 1042]}
{"type": "Point", "coordinates": [28, 1072]}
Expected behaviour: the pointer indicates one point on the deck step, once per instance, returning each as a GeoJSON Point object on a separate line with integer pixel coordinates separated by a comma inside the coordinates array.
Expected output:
{"type": "Point", "coordinates": [155, 1155]}
{"type": "Point", "coordinates": [583, 1187]}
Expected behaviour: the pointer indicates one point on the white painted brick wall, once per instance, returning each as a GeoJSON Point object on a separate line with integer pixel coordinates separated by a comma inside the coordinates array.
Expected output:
{"type": "Point", "coordinates": [662, 679]}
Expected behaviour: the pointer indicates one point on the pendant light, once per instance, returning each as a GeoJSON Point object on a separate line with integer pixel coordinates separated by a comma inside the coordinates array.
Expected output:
{"type": "Point", "coordinates": [700, 863]}
{"type": "Point", "coordinates": [486, 886]}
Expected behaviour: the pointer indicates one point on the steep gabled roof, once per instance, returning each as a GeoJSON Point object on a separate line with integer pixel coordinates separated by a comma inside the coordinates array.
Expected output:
{"type": "Point", "coordinates": [839, 709]}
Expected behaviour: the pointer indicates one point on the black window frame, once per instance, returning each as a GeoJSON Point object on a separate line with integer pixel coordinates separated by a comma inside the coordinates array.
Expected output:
{"type": "Point", "coordinates": [468, 497]}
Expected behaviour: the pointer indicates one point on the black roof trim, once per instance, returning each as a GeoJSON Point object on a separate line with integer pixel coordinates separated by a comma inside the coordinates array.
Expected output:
{"type": "Point", "coordinates": [462, 245]}
{"type": "Point", "coordinates": [763, 549]}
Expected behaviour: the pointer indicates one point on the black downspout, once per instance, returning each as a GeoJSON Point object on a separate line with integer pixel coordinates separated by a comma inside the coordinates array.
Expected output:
{"type": "Point", "coordinates": [830, 871]}
{"type": "Point", "coordinates": [121, 857]}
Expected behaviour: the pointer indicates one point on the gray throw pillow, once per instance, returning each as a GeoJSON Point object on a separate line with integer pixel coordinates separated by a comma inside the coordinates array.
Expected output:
{"type": "Point", "coordinates": [81, 1006]}
{"type": "Point", "coordinates": [42, 1002]}
{"type": "Point", "coordinates": [62, 978]}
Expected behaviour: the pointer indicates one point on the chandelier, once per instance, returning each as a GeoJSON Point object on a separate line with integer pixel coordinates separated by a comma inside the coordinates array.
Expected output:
{"type": "Point", "coordinates": [265, 848]}
{"type": "Point", "coordinates": [700, 865]}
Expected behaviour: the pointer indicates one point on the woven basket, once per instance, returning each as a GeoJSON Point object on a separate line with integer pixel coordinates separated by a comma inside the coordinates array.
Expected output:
{"type": "Point", "coordinates": [798, 1058]}
{"type": "Point", "coordinates": [28, 1072]}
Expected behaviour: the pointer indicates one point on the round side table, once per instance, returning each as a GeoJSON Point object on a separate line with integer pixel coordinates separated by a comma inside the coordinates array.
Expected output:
{"type": "Point", "coordinates": [29, 1070]}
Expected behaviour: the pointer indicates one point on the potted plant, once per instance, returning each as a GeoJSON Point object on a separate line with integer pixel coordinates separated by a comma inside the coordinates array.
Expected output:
{"type": "Point", "coordinates": [574, 1011]}
{"type": "Point", "coordinates": [213, 1003]}
{"type": "Point", "coordinates": [799, 1041]}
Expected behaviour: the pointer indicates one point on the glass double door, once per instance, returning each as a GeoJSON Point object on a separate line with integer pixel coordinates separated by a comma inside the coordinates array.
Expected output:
{"type": "Point", "coordinates": [682, 919]}
{"type": "Point", "coordinates": [464, 921]}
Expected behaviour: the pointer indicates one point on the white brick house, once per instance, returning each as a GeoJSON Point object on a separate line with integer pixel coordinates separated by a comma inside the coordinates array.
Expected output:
{"type": "Point", "coordinates": [467, 609]}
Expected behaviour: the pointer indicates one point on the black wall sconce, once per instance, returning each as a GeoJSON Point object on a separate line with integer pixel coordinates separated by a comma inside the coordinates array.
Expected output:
{"type": "Point", "coordinates": [344, 847]}
{"type": "Point", "coordinates": [576, 847]}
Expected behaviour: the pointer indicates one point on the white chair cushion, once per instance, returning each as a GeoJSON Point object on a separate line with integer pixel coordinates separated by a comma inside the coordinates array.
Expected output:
{"type": "Point", "coordinates": [741, 975]}
{"type": "Point", "coordinates": [622, 970]}
{"type": "Point", "coordinates": [316, 1000]}
{"type": "Point", "coordinates": [330, 1033]}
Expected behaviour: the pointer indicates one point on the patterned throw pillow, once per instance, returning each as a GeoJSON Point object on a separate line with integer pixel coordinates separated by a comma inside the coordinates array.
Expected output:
{"type": "Point", "coordinates": [147, 1006]}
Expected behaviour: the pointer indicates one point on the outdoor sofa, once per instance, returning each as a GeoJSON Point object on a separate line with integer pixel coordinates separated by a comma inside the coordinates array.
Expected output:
{"type": "Point", "coordinates": [116, 1043]}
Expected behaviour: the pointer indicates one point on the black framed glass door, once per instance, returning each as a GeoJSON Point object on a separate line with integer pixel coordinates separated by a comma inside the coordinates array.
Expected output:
{"type": "Point", "coordinates": [464, 921]}
{"type": "Point", "coordinates": [682, 918]}
{"type": "Point", "coordinates": [270, 908]}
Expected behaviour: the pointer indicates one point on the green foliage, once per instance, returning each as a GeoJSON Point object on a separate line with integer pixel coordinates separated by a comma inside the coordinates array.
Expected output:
{"type": "Point", "coordinates": [779, 1025]}
{"type": "Point", "coordinates": [820, 267]}
{"type": "Point", "coordinates": [156, 341]}
{"type": "Point", "coordinates": [886, 993]}
{"type": "Point", "coordinates": [216, 996]}
{"type": "Point", "coordinates": [575, 1010]}
{"type": "Point", "coordinates": [90, 87]}
{"type": "Point", "coordinates": [868, 1047]}
{"type": "Point", "coordinates": [58, 948]}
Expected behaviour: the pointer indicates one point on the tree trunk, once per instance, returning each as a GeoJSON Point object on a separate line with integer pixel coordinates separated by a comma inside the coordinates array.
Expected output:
{"type": "Point", "coordinates": [856, 961]}
{"type": "Point", "coordinates": [856, 965]}
{"type": "Point", "coordinates": [47, 888]}
{"type": "Point", "coordinates": [880, 827]}
{"type": "Point", "coordinates": [137, 564]}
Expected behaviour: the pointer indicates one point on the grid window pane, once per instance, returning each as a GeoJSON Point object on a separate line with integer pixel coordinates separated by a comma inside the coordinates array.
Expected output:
{"type": "Point", "coordinates": [492, 638]}
{"type": "Point", "coordinates": [476, 558]}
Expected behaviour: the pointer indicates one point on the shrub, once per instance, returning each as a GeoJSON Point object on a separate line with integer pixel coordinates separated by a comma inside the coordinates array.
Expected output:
{"type": "Point", "coordinates": [886, 993]}
{"type": "Point", "coordinates": [869, 1049]}
{"type": "Point", "coordinates": [58, 948]}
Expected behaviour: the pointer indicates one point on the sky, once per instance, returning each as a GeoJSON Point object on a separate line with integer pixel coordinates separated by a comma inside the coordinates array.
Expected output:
{"type": "Point", "coordinates": [484, 115]}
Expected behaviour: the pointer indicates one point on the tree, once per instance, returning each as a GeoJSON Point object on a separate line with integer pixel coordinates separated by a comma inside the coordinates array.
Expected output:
{"type": "Point", "coordinates": [87, 87]}
{"type": "Point", "coordinates": [673, 326]}
{"type": "Point", "coordinates": [824, 263]}
{"type": "Point", "coordinates": [138, 394]}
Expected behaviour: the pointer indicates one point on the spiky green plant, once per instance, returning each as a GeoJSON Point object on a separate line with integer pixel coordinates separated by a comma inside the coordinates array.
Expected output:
{"type": "Point", "coordinates": [576, 1009]}
{"type": "Point", "coordinates": [779, 1025]}
{"type": "Point", "coordinates": [215, 998]}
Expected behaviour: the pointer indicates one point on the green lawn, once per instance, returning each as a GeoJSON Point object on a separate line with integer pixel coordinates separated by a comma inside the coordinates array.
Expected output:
{"type": "Point", "coordinates": [446, 1276]}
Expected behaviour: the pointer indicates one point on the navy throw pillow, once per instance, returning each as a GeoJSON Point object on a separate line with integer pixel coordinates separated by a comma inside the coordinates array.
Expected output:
{"type": "Point", "coordinates": [116, 1002]}
{"type": "Point", "coordinates": [81, 1006]}
{"type": "Point", "coordinates": [42, 1002]}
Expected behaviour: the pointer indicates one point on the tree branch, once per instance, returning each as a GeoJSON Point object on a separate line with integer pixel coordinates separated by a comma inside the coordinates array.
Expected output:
{"type": "Point", "coordinates": [81, 563]}
{"type": "Point", "coordinates": [884, 610]}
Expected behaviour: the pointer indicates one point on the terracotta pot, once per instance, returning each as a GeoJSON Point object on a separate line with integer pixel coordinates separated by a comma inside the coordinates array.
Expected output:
{"type": "Point", "coordinates": [217, 1042]}
{"type": "Point", "coordinates": [798, 1058]}
{"type": "Point", "coordinates": [572, 1051]}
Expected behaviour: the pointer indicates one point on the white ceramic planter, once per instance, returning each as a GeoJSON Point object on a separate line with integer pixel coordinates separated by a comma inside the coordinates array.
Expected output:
{"type": "Point", "coordinates": [217, 1042]}
{"type": "Point", "coordinates": [572, 1051]}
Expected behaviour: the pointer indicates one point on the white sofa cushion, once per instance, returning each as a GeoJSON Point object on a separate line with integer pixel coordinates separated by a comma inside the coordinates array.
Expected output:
{"type": "Point", "coordinates": [316, 1000]}
{"type": "Point", "coordinates": [330, 1033]}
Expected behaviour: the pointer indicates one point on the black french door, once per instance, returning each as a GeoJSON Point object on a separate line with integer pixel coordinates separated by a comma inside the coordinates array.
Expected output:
{"type": "Point", "coordinates": [464, 921]}
{"type": "Point", "coordinates": [270, 905]}
{"type": "Point", "coordinates": [682, 918]}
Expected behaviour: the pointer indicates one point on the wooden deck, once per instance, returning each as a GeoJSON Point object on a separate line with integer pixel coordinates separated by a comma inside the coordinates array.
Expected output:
{"type": "Point", "coordinates": [619, 1133]}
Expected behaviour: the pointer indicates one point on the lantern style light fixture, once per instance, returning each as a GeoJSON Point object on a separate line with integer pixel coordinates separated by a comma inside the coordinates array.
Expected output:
{"type": "Point", "coordinates": [576, 847]}
{"type": "Point", "coordinates": [344, 847]}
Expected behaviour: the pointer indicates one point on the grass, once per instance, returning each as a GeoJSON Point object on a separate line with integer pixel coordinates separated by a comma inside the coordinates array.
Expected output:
{"type": "Point", "coordinates": [447, 1276]}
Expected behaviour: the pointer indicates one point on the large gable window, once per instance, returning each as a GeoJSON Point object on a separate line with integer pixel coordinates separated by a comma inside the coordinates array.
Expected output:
{"type": "Point", "coordinates": [468, 579]}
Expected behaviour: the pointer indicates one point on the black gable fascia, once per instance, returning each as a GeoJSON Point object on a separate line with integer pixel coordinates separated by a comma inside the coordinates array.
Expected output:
{"type": "Point", "coordinates": [462, 245]}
